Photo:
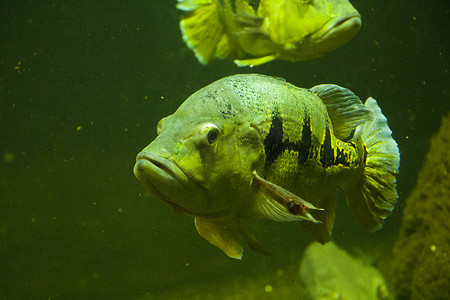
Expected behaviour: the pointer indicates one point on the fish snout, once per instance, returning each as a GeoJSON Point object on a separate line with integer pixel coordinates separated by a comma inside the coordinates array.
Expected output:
{"type": "Point", "coordinates": [158, 172]}
{"type": "Point", "coordinates": [342, 28]}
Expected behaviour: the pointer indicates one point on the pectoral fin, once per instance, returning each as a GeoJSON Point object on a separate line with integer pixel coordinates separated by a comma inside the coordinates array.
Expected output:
{"type": "Point", "coordinates": [279, 204]}
{"type": "Point", "coordinates": [254, 61]}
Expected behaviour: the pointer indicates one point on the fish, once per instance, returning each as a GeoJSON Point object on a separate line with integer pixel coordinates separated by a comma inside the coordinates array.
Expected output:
{"type": "Point", "coordinates": [254, 32]}
{"type": "Point", "coordinates": [251, 146]}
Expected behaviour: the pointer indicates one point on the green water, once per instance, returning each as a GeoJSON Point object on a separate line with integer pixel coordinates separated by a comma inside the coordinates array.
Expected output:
{"type": "Point", "coordinates": [82, 86]}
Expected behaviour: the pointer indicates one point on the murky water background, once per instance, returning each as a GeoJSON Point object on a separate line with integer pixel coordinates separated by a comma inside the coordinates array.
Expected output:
{"type": "Point", "coordinates": [82, 86]}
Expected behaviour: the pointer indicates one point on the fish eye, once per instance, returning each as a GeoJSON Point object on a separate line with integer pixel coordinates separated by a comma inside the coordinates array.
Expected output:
{"type": "Point", "coordinates": [212, 135]}
{"type": "Point", "coordinates": [159, 126]}
{"type": "Point", "coordinates": [209, 133]}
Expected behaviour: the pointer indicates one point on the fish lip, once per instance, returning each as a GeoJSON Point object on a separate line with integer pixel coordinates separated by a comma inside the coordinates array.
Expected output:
{"type": "Point", "coordinates": [173, 173]}
{"type": "Point", "coordinates": [158, 161]}
{"type": "Point", "coordinates": [350, 20]}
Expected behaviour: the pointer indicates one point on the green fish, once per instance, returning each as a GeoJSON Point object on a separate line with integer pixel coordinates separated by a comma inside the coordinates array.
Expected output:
{"type": "Point", "coordinates": [254, 32]}
{"type": "Point", "coordinates": [252, 146]}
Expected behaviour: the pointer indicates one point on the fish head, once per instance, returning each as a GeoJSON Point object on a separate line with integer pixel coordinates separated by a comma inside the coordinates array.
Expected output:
{"type": "Point", "coordinates": [200, 163]}
{"type": "Point", "coordinates": [305, 29]}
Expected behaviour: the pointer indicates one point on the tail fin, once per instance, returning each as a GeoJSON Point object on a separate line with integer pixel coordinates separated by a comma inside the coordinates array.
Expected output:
{"type": "Point", "coordinates": [372, 203]}
{"type": "Point", "coordinates": [203, 29]}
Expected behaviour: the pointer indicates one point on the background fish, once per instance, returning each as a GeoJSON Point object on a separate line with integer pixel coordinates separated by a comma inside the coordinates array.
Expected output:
{"type": "Point", "coordinates": [253, 32]}
{"type": "Point", "coordinates": [253, 146]}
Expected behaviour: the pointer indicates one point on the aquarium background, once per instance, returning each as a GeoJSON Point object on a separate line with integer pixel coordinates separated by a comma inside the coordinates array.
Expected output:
{"type": "Point", "coordinates": [82, 87]}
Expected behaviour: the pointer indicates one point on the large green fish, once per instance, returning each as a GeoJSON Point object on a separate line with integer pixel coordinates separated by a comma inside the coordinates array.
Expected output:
{"type": "Point", "coordinates": [253, 32]}
{"type": "Point", "coordinates": [252, 146]}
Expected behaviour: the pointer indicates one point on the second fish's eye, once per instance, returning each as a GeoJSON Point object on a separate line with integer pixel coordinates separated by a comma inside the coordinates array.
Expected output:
{"type": "Point", "coordinates": [212, 135]}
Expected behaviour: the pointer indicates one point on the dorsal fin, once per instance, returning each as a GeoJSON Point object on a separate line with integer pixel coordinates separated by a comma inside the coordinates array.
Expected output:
{"type": "Point", "coordinates": [345, 109]}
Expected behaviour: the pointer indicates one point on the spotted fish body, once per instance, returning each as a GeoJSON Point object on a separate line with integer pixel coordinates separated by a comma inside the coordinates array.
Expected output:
{"type": "Point", "coordinates": [253, 146]}
{"type": "Point", "coordinates": [297, 137]}
{"type": "Point", "coordinates": [300, 141]}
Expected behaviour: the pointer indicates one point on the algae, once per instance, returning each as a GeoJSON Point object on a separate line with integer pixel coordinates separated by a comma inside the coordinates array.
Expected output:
{"type": "Point", "coordinates": [421, 255]}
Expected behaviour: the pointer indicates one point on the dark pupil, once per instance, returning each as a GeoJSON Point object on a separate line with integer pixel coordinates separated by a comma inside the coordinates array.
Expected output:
{"type": "Point", "coordinates": [212, 135]}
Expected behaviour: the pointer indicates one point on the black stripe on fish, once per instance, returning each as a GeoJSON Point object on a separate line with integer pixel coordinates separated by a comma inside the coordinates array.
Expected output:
{"type": "Point", "coordinates": [305, 144]}
{"type": "Point", "coordinates": [254, 4]}
{"type": "Point", "coordinates": [365, 154]}
{"type": "Point", "coordinates": [342, 157]}
{"type": "Point", "coordinates": [233, 5]}
{"type": "Point", "coordinates": [274, 144]}
{"type": "Point", "coordinates": [327, 155]}
{"type": "Point", "coordinates": [326, 151]}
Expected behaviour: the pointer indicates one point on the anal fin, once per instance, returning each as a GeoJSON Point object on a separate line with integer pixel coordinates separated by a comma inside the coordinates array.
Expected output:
{"type": "Point", "coordinates": [322, 231]}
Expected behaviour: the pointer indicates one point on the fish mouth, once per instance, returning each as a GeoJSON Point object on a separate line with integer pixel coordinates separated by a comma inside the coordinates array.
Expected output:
{"type": "Point", "coordinates": [342, 28]}
{"type": "Point", "coordinates": [161, 176]}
